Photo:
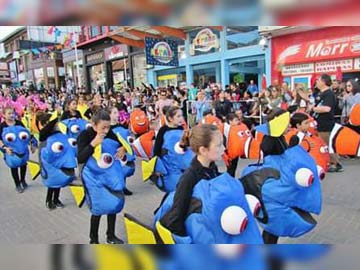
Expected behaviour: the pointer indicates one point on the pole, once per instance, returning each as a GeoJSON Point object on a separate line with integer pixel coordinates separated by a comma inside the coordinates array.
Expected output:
{"type": "Point", "coordinates": [125, 72]}
{"type": "Point", "coordinates": [77, 62]}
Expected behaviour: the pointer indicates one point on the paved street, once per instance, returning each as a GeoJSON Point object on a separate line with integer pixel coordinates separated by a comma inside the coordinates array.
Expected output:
{"type": "Point", "coordinates": [25, 219]}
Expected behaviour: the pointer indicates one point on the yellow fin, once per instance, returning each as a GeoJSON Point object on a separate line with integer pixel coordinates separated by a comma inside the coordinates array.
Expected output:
{"type": "Point", "coordinates": [138, 233]}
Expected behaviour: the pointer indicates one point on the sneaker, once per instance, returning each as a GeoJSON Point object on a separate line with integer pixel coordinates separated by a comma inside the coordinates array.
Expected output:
{"type": "Point", "coordinates": [59, 204]}
{"type": "Point", "coordinates": [24, 185]}
{"type": "Point", "coordinates": [19, 189]}
{"type": "Point", "coordinates": [339, 168]}
{"type": "Point", "coordinates": [332, 169]}
{"type": "Point", "coordinates": [113, 240]}
{"type": "Point", "coordinates": [94, 241]}
{"type": "Point", "coordinates": [127, 192]}
{"type": "Point", "coordinates": [50, 205]}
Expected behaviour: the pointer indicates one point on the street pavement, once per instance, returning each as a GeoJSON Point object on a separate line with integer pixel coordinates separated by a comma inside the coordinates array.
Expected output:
{"type": "Point", "coordinates": [24, 219]}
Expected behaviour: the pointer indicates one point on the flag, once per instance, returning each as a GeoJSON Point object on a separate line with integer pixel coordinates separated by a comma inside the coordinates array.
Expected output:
{"type": "Point", "coordinates": [263, 82]}
{"type": "Point", "coordinates": [338, 73]}
{"type": "Point", "coordinates": [51, 30]}
{"type": "Point", "coordinates": [313, 81]}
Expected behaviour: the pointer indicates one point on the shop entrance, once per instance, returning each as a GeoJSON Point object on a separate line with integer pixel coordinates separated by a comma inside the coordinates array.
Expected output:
{"type": "Point", "coordinates": [97, 75]}
{"type": "Point", "coordinates": [350, 76]}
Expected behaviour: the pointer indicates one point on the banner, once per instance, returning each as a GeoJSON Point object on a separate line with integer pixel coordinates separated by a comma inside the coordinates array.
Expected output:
{"type": "Point", "coordinates": [161, 52]}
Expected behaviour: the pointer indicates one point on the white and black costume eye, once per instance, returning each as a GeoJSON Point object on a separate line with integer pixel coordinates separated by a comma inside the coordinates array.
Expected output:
{"type": "Point", "coordinates": [72, 142]}
{"type": "Point", "coordinates": [75, 129]}
{"type": "Point", "coordinates": [304, 177]}
{"type": "Point", "coordinates": [23, 135]}
{"type": "Point", "coordinates": [234, 220]}
{"type": "Point", "coordinates": [105, 161]}
{"type": "Point", "coordinates": [10, 137]}
{"type": "Point", "coordinates": [130, 139]}
{"type": "Point", "coordinates": [241, 134]}
{"type": "Point", "coordinates": [57, 147]}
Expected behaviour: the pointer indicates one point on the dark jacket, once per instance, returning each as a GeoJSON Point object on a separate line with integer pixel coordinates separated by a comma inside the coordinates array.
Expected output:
{"type": "Point", "coordinates": [174, 220]}
{"type": "Point", "coordinates": [160, 139]}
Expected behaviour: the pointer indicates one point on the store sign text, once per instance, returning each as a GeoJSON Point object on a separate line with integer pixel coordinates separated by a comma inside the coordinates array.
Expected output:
{"type": "Point", "coordinates": [330, 66]}
{"type": "Point", "coordinates": [297, 69]}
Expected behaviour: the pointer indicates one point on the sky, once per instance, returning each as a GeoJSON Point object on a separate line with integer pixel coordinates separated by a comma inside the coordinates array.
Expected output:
{"type": "Point", "coordinates": [6, 30]}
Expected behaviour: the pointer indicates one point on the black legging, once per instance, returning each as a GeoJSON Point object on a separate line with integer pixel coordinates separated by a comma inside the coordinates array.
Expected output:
{"type": "Point", "coordinates": [94, 226]}
{"type": "Point", "coordinates": [232, 167]}
{"type": "Point", "coordinates": [53, 195]}
{"type": "Point", "coordinates": [269, 238]}
{"type": "Point", "coordinates": [15, 175]}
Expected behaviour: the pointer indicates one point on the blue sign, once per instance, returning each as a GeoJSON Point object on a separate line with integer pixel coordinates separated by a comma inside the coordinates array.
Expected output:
{"type": "Point", "coordinates": [161, 52]}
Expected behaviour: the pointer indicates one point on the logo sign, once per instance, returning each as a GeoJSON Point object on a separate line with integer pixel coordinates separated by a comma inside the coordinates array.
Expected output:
{"type": "Point", "coordinates": [205, 40]}
{"type": "Point", "coordinates": [95, 58]}
{"type": "Point", "coordinates": [287, 51]}
{"type": "Point", "coordinates": [161, 52]}
{"type": "Point", "coordinates": [116, 51]}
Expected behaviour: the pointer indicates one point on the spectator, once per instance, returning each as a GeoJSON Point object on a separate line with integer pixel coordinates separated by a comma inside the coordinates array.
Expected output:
{"type": "Point", "coordinates": [192, 93]}
{"type": "Point", "coordinates": [252, 88]}
{"type": "Point", "coordinates": [324, 112]}
{"type": "Point", "coordinates": [223, 107]}
{"type": "Point", "coordinates": [351, 97]}
{"type": "Point", "coordinates": [201, 105]}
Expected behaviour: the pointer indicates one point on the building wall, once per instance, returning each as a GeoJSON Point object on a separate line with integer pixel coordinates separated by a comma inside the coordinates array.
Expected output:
{"type": "Point", "coordinates": [223, 59]}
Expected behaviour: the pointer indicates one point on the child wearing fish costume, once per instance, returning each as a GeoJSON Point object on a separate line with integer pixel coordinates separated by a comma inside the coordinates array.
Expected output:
{"type": "Point", "coordinates": [128, 163]}
{"type": "Point", "coordinates": [287, 187]}
{"type": "Point", "coordinates": [172, 158]}
{"type": "Point", "coordinates": [14, 140]}
{"type": "Point", "coordinates": [99, 151]}
{"type": "Point", "coordinates": [56, 156]}
{"type": "Point", "coordinates": [208, 207]}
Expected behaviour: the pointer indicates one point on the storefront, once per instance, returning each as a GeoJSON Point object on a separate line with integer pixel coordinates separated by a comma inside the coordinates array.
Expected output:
{"type": "Point", "coordinates": [210, 54]}
{"type": "Point", "coordinates": [332, 50]}
{"type": "Point", "coordinates": [71, 67]}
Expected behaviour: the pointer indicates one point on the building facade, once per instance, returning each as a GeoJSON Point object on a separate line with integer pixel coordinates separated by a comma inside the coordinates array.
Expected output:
{"type": "Point", "coordinates": [216, 54]}
{"type": "Point", "coordinates": [108, 64]}
{"type": "Point", "coordinates": [297, 57]}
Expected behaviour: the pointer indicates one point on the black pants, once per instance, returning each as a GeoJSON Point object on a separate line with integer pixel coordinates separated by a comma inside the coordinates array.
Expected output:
{"type": "Point", "coordinates": [15, 175]}
{"type": "Point", "coordinates": [78, 258]}
{"type": "Point", "coordinates": [94, 226]}
{"type": "Point", "coordinates": [53, 194]}
{"type": "Point", "coordinates": [232, 167]}
{"type": "Point", "coordinates": [269, 238]}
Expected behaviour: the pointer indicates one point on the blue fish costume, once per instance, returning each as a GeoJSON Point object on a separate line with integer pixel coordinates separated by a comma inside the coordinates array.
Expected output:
{"type": "Point", "coordinates": [75, 126]}
{"type": "Point", "coordinates": [173, 163]}
{"type": "Point", "coordinates": [103, 180]}
{"type": "Point", "coordinates": [128, 163]}
{"type": "Point", "coordinates": [215, 257]}
{"type": "Point", "coordinates": [219, 213]}
{"type": "Point", "coordinates": [288, 187]}
{"type": "Point", "coordinates": [18, 139]}
{"type": "Point", "coordinates": [58, 161]}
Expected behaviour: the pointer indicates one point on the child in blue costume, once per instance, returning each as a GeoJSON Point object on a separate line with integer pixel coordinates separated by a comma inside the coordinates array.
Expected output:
{"type": "Point", "coordinates": [14, 140]}
{"type": "Point", "coordinates": [102, 176]}
{"type": "Point", "coordinates": [194, 212]}
{"type": "Point", "coordinates": [287, 183]}
{"type": "Point", "coordinates": [172, 158]}
{"type": "Point", "coordinates": [129, 159]}
{"type": "Point", "coordinates": [48, 127]}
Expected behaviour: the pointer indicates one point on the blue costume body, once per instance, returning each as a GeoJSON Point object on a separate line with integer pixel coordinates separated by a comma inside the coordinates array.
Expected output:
{"type": "Point", "coordinates": [58, 161]}
{"type": "Point", "coordinates": [104, 181]}
{"type": "Point", "coordinates": [210, 199]}
{"type": "Point", "coordinates": [286, 204]}
{"type": "Point", "coordinates": [17, 138]}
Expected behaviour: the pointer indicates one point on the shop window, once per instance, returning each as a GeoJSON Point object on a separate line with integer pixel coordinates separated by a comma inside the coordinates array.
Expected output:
{"type": "Point", "coordinates": [94, 30]}
{"type": "Point", "coordinates": [241, 36]}
{"type": "Point", "coordinates": [104, 29]}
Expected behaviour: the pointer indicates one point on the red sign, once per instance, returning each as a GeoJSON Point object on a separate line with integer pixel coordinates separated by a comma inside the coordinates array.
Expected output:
{"type": "Point", "coordinates": [332, 43]}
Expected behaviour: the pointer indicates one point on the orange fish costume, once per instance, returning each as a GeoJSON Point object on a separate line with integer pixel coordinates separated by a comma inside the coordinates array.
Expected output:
{"type": "Point", "coordinates": [315, 146]}
{"type": "Point", "coordinates": [354, 117]}
{"type": "Point", "coordinates": [139, 123]}
{"type": "Point", "coordinates": [143, 146]}
{"type": "Point", "coordinates": [344, 141]}
{"type": "Point", "coordinates": [236, 137]}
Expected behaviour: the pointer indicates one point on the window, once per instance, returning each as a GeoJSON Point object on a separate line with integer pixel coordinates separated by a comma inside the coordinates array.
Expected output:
{"type": "Point", "coordinates": [94, 31]}
{"type": "Point", "coordinates": [114, 27]}
{"type": "Point", "coordinates": [241, 36]}
{"type": "Point", "coordinates": [104, 29]}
